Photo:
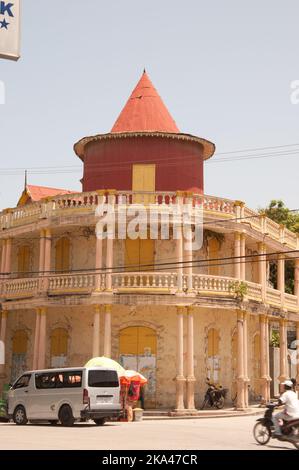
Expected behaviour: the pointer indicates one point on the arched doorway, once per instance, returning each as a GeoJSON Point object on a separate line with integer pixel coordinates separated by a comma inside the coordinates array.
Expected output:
{"type": "Point", "coordinates": [59, 345]}
{"type": "Point", "coordinates": [138, 351]}
{"type": "Point", "coordinates": [213, 358]}
{"type": "Point", "coordinates": [19, 354]}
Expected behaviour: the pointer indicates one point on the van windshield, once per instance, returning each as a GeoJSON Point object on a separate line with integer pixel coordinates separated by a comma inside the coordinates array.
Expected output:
{"type": "Point", "coordinates": [103, 378]}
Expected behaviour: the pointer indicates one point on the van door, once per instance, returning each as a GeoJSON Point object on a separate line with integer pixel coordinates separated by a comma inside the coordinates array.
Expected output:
{"type": "Point", "coordinates": [103, 389]}
{"type": "Point", "coordinates": [20, 395]}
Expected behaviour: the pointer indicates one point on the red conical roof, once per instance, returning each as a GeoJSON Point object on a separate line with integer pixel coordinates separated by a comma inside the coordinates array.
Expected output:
{"type": "Point", "coordinates": [145, 111]}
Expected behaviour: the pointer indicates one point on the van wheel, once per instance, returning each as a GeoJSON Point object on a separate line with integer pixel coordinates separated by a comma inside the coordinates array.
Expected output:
{"type": "Point", "coordinates": [53, 422]}
{"type": "Point", "coordinates": [19, 416]}
{"type": "Point", "coordinates": [66, 416]}
{"type": "Point", "coordinates": [100, 421]}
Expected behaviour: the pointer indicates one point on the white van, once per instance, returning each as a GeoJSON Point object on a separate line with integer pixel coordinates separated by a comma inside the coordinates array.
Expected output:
{"type": "Point", "coordinates": [65, 395]}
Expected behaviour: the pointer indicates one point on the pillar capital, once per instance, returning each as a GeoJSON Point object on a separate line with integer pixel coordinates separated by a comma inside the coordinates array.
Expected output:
{"type": "Point", "coordinates": [4, 313]}
{"type": "Point", "coordinates": [97, 308]}
{"type": "Point", "coordinates": [42, 310]}
{"type": "Point", "coordinates": [190, 309]}
{"type": "Point", "coordinates": [181, 309]}
{"type": "Point", "coordinates": [261, 247]}
{"type": "Point", "coordinates": [108, 308]}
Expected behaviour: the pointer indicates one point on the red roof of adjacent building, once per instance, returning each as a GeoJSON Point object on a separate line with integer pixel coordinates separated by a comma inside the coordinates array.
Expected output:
{"type": "Point", "coordinates": [34, 193]}
{"type": "Point", "coordinates": [145, 111]}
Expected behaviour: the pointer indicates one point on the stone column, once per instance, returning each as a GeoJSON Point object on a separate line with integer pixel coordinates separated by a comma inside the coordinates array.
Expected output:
{"type": "Point", "coordinates": [3, 339]}
{"type": "Point", "coordinates": [107, 331]}
{"type": "Point", "coordinates": [42, 339]}
{"type": "Point", "coordinates": [245, 352]}
{"type": "Point", "coordinates": [36, 340]}
{"type": "Point", "coordinates": [264, 357]}
{"type": "Point", "coordinates": [180, 379]}
{"type": "Point", "coordinates": [283, 350]}
{"type": "Point", "coordinates": [109, 263]}
{"type": "Point", "coordinates": [268, 396]}
{"type": "Point", "coordinates": [96, 331]}
{"type": "Point", "coordinates": [7, 267]}
{"type": "Point", "coordinates": [243, 254]}
{"type": "Point", "coordinates": [99, 262]}
{"type": "Point", "coordinates": [281, 276]}
{"type": "Point", "coordinates": [237, 253]}
{"type": "Point", "coordinates": [3, 255]}
{"type": "Point", "coordinates": [179, 242]}
{"type": "Point", "coordinates": [190, 361]}
{"type": "Point", "coordinates": [262, 264]}
{"type": "Point", "coordinates": [240, 361]}
{"type": "Point", "coordinates": [48, 242]}
{"type": "Point", "coordinates": [189, 269]}
{"type": "Point", "coordinates": [41, 251]}
{"type": "Point", "coordinates": [296, 284]}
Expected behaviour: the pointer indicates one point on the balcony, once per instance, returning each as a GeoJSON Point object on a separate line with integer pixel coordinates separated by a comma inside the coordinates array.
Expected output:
{"type": "Point", "coordinates": [147, 283]}
{"type": "Point", "coordinates": [86, 204]}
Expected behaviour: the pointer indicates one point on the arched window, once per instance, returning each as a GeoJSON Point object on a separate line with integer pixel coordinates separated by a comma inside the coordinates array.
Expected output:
{"type": "Point", "coordinates": [24, 259]}
{"type": "Point", "coordinates": [213, 359]}
{"type": "Point", "coordinates": [62, 254]}
{"type": "Point", "coordinates": [59, 347]}
{"type": "Point", "coordinates": [138, 351]}
{"type": "Point", "coordinates": [19, 353]}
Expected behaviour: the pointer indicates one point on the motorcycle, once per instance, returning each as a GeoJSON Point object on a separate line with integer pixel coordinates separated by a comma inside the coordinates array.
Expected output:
{"type": "Point", "coordinates": [214, 396]}
{"type": "Point", "coordinates": [264, 428]}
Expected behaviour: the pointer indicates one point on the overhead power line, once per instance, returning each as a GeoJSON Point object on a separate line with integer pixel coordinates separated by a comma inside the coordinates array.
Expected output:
{"type": "Point", "coordinates": [229, 260]}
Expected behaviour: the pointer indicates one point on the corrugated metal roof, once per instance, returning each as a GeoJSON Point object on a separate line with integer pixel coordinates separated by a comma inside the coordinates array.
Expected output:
{"type": "Point", "coordinates": [145, 111]}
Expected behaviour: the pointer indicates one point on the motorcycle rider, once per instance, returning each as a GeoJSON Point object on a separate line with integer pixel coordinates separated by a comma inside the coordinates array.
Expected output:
{"type": "Point", "coordinates": [291, 408]}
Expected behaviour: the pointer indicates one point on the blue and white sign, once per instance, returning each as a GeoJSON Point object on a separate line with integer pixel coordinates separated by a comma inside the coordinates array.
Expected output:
{"type": "Point", "coordinates": [10, 29]}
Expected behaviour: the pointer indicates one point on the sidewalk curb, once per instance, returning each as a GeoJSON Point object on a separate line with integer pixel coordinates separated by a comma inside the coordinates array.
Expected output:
{"type": "Point", "coordinates": [235, 414]}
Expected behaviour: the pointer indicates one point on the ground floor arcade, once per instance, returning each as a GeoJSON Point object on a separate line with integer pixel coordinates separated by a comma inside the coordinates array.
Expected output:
{"type": "Point", "coordinates": [176, 347]}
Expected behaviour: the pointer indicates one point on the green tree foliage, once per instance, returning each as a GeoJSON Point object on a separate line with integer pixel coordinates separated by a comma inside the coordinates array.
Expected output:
{"type": "Point", "coordinates": [281, 214]}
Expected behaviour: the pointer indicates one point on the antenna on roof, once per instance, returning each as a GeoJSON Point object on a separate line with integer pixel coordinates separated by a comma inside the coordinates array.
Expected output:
{"type": "Point", "coordinates": [25, 182]}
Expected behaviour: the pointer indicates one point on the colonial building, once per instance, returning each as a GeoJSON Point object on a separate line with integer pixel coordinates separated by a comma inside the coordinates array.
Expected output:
{"type": "Point", "coordinates": [177, 315]}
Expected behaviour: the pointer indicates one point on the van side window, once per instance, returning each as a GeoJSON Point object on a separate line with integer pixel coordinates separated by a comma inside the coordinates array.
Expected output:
{"type": "Point", "coordinates": [46, 380]}
{"type": "Point", "coordinates": [69, 379]}
{"type": "Point", "coordinates": [72, 379]}
{"type": "Point", "coordinates": [22, 382]}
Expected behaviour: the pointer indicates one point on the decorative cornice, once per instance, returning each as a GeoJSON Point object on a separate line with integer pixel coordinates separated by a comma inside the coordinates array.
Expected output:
{"type": "Point", "coordinates": [209, 147]}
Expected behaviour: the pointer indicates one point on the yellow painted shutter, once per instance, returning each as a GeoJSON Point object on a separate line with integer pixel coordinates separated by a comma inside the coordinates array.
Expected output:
{"type": "Point", "coordinates": [213, 254]}
{"type": "Point", "coordinates": [144, 179]}
{"type": "Point", "coordinates": [19, 342]}
{"type": "Point", "coordinates": [62, 261]}
{"type": "Point", "coordinates": [139, 254]}
{"type": "Point", "coordinates": [213, 342]}
{"type": "Point", "coordinates": [138, 340]}
{"type": "Point", "coordinates": [24, 259]}
{"type": "Point", "coordinates": [59, 339]}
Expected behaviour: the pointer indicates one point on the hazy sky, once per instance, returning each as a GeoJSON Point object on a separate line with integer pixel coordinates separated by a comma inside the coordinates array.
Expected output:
{"type": "Point", "coordinates": [223, 68]}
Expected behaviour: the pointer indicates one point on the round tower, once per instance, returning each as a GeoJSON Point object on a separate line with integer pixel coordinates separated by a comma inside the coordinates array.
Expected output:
{"type": "Point", "coordinates": [144, 150]}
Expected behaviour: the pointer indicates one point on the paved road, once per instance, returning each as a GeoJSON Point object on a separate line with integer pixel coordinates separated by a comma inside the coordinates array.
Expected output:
{"type": "Point", "coordinates": [211, 433]}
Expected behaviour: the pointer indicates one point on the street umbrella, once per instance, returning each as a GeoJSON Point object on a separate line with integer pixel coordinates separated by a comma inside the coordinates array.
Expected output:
{"type": "Point", "coordinates": [133, 376]}
{"type": "Point", "coordinates": [105, 362]}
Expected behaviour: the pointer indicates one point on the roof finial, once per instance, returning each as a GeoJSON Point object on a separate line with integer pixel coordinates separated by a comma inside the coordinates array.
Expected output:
{"type": "Point", "coordinates": [25, 183]}
{"type": "Point", "coordinates": [144, 71]}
